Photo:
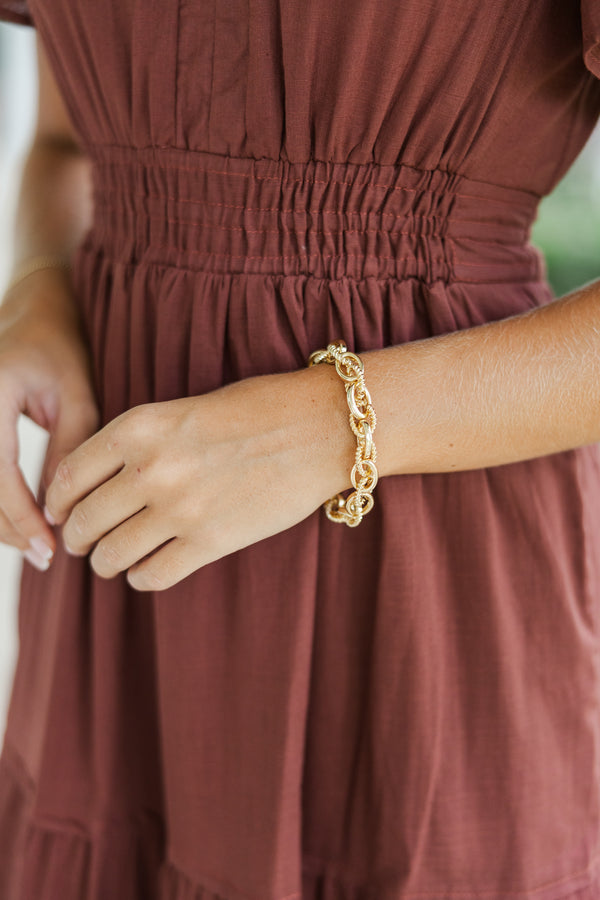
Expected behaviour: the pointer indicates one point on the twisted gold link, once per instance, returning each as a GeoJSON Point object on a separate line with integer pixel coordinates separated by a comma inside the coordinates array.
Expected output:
{"type": "Point", "coordinates": [365, 439]}
{"type": "Point", "coordinates": [364, 475]}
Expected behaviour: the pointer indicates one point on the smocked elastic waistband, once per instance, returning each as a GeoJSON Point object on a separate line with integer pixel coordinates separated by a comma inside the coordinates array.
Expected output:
{"type": "Point", "coordinates": [206, 211]}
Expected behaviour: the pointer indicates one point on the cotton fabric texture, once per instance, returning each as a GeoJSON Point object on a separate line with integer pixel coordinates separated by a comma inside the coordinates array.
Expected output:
{"type": "Point", "coordinates": [407, 709]}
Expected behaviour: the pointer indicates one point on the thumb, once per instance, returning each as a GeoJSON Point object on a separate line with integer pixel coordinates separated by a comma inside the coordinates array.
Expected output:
{"type": "Point", "coordinates": [75, 423]}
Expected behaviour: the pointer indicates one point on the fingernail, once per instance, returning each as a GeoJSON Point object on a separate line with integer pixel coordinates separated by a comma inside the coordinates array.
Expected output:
{"type": "Point", "coordinates": [49, 517]}
{"type": "Point", "coordinates": [39, 546]}
{"type": "Point", "coordinates": [35, 560]}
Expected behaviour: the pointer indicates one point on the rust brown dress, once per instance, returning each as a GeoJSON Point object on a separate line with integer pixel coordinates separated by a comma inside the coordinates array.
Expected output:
{"type": "Point", "coordinates": [407, 709]}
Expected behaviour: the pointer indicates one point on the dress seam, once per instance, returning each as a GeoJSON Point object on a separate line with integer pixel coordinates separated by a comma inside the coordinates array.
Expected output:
{"type": "Point", "coordinates": [441, 191]}
{"type": "Point", "coordinates": [18, 770]}
{"type": "Point", "coordinates": [182, 267]}
{"type": "Point", "coordinates": [195, 882]}
{"type": "Point", "coordinates": [312, 866]}
{"type": "Point", "coordinates": [313, 159]}
{"type": "Point", "coordinates": [307, 211]}
{"type": "Point", "coordinates": [13, 760]}
{"type": "Point", "coordinates": [311, 862]}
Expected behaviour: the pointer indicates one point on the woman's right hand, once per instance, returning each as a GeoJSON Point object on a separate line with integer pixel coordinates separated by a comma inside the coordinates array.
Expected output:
{"type": "Point", "coordinates": [45, 373]}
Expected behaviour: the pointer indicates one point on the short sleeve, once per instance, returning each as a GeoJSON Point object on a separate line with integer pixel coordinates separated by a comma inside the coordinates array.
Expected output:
{"type": "Point", "coordinates": [16, 11]}
{"type": "Point", "coordinates": [590, 26]}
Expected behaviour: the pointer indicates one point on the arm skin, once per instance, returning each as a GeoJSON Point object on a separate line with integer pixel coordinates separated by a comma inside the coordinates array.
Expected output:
{"type": "Point", "coordinates": [55, 200]}
{"type": "Point", "coordinates": [509, 390]}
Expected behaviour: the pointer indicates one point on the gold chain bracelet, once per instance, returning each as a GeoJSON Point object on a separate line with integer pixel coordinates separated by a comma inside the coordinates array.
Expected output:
{"type": "Point", "coordinates": [33, 264]}
{"type": "Point", "coordinates": [364, 475]}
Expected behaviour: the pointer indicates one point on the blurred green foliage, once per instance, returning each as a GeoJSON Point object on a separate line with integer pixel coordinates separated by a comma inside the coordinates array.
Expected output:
{"type": "Point", "coordinates": [567, 228]}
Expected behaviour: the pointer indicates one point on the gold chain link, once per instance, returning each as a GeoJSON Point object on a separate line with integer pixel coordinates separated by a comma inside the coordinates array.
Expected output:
{"type": "Point", "coordinates": [364, 474]}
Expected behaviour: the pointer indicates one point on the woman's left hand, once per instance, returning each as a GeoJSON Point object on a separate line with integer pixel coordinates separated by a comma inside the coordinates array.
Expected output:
{"type": "Point", "coordinates": [203, 475]}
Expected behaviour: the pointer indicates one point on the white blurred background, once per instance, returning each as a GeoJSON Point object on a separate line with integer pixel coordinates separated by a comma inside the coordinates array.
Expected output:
{"type": "Point", "coordinates": [567, 230]}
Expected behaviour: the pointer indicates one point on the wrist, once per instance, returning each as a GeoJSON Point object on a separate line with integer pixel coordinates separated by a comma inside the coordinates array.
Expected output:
{"type": "Point", "coordinates": [327, 427]}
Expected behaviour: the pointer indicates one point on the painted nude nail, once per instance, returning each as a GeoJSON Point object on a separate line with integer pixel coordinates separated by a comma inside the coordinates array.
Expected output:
{"type": "Point", "coordinates": [39, 546]}
{"type": "Point", "coordinates": [35, 560]}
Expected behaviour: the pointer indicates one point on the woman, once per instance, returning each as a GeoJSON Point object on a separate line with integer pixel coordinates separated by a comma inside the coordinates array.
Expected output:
{"type": "Point", "coordinates": [221, 694]}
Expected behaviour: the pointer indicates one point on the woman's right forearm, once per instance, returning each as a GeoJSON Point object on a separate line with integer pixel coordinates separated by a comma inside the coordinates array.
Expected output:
{"type": "Point", "coordinates": [54, 204]}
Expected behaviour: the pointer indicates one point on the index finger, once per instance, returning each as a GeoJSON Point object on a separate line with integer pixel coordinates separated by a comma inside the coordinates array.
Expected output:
{"type": "Point", "coordinates": [17, 501]}
{"type": "Point", "coordinates": [80, 471]}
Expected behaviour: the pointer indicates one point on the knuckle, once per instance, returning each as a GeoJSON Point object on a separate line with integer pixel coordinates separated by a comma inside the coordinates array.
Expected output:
{"type": "Point", "coordinates": [112, 555]}
{"type": "Point", "coordinates": [79, 519]}
{"type": "Point", "coordinates": [115, 433]}
{"type": "Point", "coordinates": [22, 521]}
{"type": "Point", "coordinates": [112, 442]}
{"type": "Point", "coordinates": [64, 474]}
{"type": "Point", "coordinates": [139, 419]}
{"type": "Point", "coordinates": [132, 424]}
